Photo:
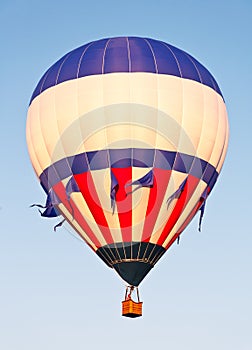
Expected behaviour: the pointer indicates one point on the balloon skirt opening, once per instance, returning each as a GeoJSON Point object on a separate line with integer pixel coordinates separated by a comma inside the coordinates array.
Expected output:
{"type": "Point", "coordinates": [131, 308]}
{"type": "Point", "coordinates": [131, 260]}
{"type": "Point", "coordinates": [133, 272]}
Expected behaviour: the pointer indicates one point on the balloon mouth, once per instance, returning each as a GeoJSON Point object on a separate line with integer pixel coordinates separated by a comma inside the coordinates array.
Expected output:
{"type": "Point", "coordinates": [131, 260]}
{"type": "Point", "coordinates": [133, 271]}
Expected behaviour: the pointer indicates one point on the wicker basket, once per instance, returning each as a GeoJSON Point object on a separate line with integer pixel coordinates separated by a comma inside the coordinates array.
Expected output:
{"type": "Point", "coordinates": [131, 308]}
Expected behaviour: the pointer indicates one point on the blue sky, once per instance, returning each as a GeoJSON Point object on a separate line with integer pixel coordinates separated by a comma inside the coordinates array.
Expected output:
{"type": "Point", "coordinates": [54, 292]}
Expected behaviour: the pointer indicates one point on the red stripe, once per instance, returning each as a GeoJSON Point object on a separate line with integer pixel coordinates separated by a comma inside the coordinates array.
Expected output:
{"type": "Point", "coordinates": [185, 196]}
{"type": "Point", "coordinates": [188, 220]}
{"type": "Point", "coordinates": [88, 190]}
{"type": "Point", "coordinates": [59, 189]}
{"type": "Point", "coordinates": [156, 198]}
{"type": "Point", "coordinates": [184, 225]}
{"type": "Point", "coordinates": [124, 202]}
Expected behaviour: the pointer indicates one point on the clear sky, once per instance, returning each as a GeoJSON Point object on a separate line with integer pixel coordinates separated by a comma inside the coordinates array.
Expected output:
{"type": "Point", "coordinates": [54, 292]}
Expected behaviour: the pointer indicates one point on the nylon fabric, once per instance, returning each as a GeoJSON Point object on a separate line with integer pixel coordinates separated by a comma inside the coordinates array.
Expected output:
{"type": "Point", "coordinates": [130, 134]}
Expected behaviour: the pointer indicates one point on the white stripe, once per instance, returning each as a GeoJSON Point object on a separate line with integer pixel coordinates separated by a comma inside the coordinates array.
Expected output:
{"type": "Point", "coordinates": [83, 126]}
{"type": "Point", "coordinates": [140, 200]}
{"type": "Point", "coordinates": [186, 212]}
{"type": "Point", "coordinates": [164, 213]}
{"type": "Point", "coordinates": [102, 182]}
{"type": "Point", "coordinates": [73, 223]}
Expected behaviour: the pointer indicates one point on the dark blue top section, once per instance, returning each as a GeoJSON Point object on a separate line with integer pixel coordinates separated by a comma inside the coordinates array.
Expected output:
{"type": "Point", "coordinates": [125, 54]}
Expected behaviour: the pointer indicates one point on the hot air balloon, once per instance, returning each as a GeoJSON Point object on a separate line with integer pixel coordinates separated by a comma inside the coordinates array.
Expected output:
{"type": "Point", "coordinates": [127, 136]}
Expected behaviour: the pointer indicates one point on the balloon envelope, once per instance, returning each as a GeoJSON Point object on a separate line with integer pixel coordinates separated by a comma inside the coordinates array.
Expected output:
{"type": "Point", "coordinates": [127, 136]}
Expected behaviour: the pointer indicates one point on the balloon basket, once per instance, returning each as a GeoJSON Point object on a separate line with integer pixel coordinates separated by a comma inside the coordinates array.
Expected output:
{"type": "Point", "coordinates": [131, 308]}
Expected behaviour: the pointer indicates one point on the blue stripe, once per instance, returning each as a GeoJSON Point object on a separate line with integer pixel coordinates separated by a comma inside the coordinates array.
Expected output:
{"type": "Point", "coordinates": [116, 58]}
{"type": "Point", "coordinates": [125, 54]}
{"type": "Point", "coordinates": [124, 158]}
{"type": "Point", "coordinates": [92, 59]}
{"type": "Point", "coordinates": [142, 59]}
